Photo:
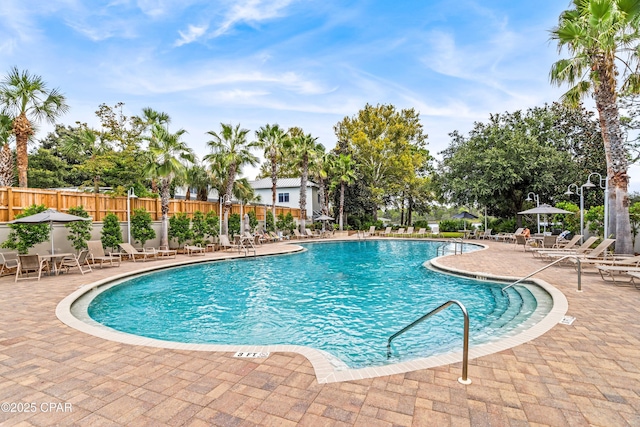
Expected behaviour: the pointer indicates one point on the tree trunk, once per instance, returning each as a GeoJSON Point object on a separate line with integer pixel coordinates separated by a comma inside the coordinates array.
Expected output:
{"type": "Point", "coordinates": [228, 194]}
{"type": "Point", "coordinates": [274, 182]}
{"type": "Point", "coordinates": [303, 193]}
{"type": "Point", "coordinates": [6, 166]}
{"type": "Point", "coordinates": [164, 203]}
{"type": "Point", "coordinates": [187, 195]}
{"type": "Point", "coordinates": [341, 204]}
{"type": "Point", "coordinates": [615, 151]}
{"type": "Point", "coordinates": [22, 130]}
{"type": "Point", "coordinates": [612, 218]}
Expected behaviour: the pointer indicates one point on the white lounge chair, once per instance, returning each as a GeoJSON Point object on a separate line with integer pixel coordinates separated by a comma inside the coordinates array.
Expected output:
{"type": "Point", "coordinates": [133, 253]}
{"type": "Point", "coordinates": [192, 250]}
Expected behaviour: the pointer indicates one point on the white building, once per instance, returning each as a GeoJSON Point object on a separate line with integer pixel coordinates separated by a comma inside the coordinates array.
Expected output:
{"type": "Point", "coordinates": [288, 193]}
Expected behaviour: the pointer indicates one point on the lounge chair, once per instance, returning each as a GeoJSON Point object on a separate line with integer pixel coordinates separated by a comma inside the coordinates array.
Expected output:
{"type": "Point", "coordinates": [299, 235]}
{"type": "Point", "coordinates": [409, 232]}
{"type": "Point", "coordinates": [486, 234]}
{"type": "Point", "coordinates": [274, 236]}
{"type": "Point", "coordinates": [386, 232]}
{"type": "Point", "coordinates": [371, 232]}
{"type": "Point", "coordinates": [582, 249]}
{"type": "Point", "coordinates": [510, 237]}
{"type": "Point", "coordinates": [422, 232]}
{"type": "Point", "coordinates": [30, 264]}
{"type": "Point", "coordinates": [9, 261]}
{"type": "Point", "coordinates": [400, 232]}
{"type": "Point", "coordinates": [309, 233]}
{"type": "Point", "coordinates": [80, 261]}
{"type": "Point", "coordinates": [165, 252]}
{"type": "Point", "coordinates": [133, 253]}
{"type": "Point", "coordinates": [192, 250]}
{"type": "Point", "coordinates": [634, 275]}
{"type": "Point", "coordinates": [549, 241]}
{"type": "Point", "coordinates": [96, 254]}
{"type": "Point", "coordinates": [597, 253]}
{"type": "Point", "coordinates": [616, 268]}
{"type": "Point", "coordinates": [239, 244]}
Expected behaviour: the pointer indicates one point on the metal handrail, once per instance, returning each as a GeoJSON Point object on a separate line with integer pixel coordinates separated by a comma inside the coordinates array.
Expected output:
{"type": "Point", "coordinates": [465, 345]}
{"type": "Point", "coordinates": [455, 246]}
{"type": "Point", "coordinates": [549, 265]}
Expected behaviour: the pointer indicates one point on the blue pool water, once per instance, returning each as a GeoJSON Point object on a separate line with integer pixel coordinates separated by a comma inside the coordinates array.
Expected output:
{"type": "Point", "coordinates": [345, 298]}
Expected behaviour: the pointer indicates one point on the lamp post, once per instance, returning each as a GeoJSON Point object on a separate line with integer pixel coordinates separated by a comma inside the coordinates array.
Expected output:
{"type": "Point", "coordinates": [579, 192]}
{"type": "Point", "coordinates": [227, 201]}
{"type": "Point", "coordinates": [130, 195]}
{"type": "Point", "coordinates": [604, 184]}
{"type": "Point", "coordinates": [537, 199]}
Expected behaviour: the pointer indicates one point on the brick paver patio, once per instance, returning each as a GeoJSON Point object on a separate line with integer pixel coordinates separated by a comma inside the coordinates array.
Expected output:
{"type": "Point", "coordinates": [584, 374]}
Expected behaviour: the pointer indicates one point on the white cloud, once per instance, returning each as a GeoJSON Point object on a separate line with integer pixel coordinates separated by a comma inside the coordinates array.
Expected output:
{"type": "Point", "coordinates": [192, 34]}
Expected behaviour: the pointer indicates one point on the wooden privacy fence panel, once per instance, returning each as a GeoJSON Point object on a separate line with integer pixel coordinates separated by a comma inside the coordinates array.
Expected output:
{"type": "Point", "coordinates": [13, 200]}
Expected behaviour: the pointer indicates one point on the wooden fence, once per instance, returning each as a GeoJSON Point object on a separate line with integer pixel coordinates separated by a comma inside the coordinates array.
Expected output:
{"type": "Point", "coordinates": [13, 200]}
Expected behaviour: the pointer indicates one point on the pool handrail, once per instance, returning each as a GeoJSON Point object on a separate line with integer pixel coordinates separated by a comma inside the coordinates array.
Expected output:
{"type": "Point", "coordinates": [465, 344]}
{"type": "Point", "coordinates": [577, 258]}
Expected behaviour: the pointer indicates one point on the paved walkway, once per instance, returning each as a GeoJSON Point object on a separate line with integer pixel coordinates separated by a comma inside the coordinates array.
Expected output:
{"type": "Point", "coordinates": [584, 374]}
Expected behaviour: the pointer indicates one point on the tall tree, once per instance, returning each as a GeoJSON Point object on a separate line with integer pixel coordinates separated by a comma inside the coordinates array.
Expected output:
{"type": "Point", "coordinates": [25, 98]}
{"type": "Point", "coordinates": [170, 157]}
{"type": "Point", "coordinates": [6, 156]}
{"type": "Point", "coordinates": [273, 140]}
{"type": "Point", "coordinates": [90, 145]}
{"type": "Point", "coordinates": [381, 140]}
{"type": "Point", "coordinates": [345, 174]}
{"type": "Point", "coordinates": [230, 150]}
{"type": "Point", "coordinates": [304, 150]}
{"type": "Point", "coordinates": [599, 35]}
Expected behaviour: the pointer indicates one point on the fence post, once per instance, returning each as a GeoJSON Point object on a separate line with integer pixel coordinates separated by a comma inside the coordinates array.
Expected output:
{"type": "Point", "coordinates": [10, 203]}
{"type": "Point", "coordinates": [58, 201]}
{"type": "Point", "coordinates": [96, 217]}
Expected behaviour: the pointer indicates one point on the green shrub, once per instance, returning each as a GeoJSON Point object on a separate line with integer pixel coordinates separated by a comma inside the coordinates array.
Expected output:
{"type": "Point", "coordinates": [179, 228]}
{"type": "Point", "coordinates": [79, 231]}
{"type": "Point", "coordinates": [111, 235]}
{"type": "Point", "coordinates": [141, 230]}
{"type": "Point", "coordinates": [423, 223]}
{"type": "Point", "coordinates": [269, 222]}
{"type": "Point", "coordinates": [450, 225]}
{"type": "Point", "coordinates": [23, 237]}
{"type": "Point", "coordinates": [212, 224]}
{"type": "Point", "coordinates": [234, 224]}
{"type": "Point", "coordinates": [286, 222]}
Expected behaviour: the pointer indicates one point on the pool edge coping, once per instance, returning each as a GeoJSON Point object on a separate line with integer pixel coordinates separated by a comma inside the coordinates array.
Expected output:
{"type": "Point", "coordinates": [324, 370]}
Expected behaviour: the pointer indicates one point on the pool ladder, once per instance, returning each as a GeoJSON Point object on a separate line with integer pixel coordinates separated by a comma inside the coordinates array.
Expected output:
{"type": "Point", "coordinates": [465, 345]}
{"type": "Point", "coordinates": [442, 248]}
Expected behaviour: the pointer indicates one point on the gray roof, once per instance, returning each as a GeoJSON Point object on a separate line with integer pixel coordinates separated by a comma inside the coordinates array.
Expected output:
{"type": "Point", "coordinates": [282, 183]}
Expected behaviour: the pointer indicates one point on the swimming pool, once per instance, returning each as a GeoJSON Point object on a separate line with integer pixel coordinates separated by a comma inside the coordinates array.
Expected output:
{"type": "Point", "coordinates": [342, 298]}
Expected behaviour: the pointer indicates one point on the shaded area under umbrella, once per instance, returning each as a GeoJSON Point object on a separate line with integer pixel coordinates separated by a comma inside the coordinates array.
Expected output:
{"type": "Point", "coordinates": [464, 215]}
{"type": "Point", "coordinates": [544, 209]}
{"type": "Point", "coordinates": [49, 216]}
{"type": "Point", "coordinates": [324, 218]}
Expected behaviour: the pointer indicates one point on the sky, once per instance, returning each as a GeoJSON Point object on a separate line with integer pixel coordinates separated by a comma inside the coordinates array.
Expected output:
{"type": "Point", "coordinates": [305, 63]}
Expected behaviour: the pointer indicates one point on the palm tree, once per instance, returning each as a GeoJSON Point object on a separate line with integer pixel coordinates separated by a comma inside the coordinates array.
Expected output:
{"type": "Point", "coordinates": [6, 156]}
{"type": "Point", "coordinates": [197, 177]}
{"type": "Point", "coordinates": [170, 156]}
{"type": "Point", "coordinates": [304, 150]}
{"type": "Point", "coordinates": [345, 174]}
{"type": "Point", "coordinates": [230, 150]}
{"type": "Point", "coordinates": [273, 140]}
{"type": "Point", "coordinates": [26, 99]}
{"type": "Point", "coordinates": [595, 33]}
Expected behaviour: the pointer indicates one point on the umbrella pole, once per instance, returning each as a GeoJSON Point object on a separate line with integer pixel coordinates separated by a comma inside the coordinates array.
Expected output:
{"type": "Point", "coordinates": [51, 235]}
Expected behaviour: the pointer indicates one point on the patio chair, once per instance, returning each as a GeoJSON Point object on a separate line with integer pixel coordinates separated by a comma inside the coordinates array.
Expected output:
{"type": "Point", "coordinates": [165, 252]}
{"type": "Point", "coordinates": [192, 250]}
{"type": "Point", "coordinates": [597, 253]}
{"type": "Point", "coordinates": [634, 275]}
{"type": "Point", "coordinates": [549, 241]}
{"type": "Point", "coordinates": [30, 264]}
{"type": "Point", "coordinates": [400, 232]}
{"type": "Point", "coordinates": [422, 232]}
{"type": "Point", "coordinates": [226, 244]}
{"type": "Point", "coordinates": [386, 232]}
{"type": "Point", "coordinates": [526, 243]}
{"type": "Point", "coordinates": [96, 254]}
{"type": "Point", "coordinates": [371, 232]}
{"type": "Point", "coordinates": [486, 234]}
{"type": "Point", "coordinates": [409, 232]}
{"type": "Point", "coordinates": [80, 261]}
{"type": "Point", "coordinates": [9, 262]}
{"type": "Point", "coordinates": [133, 253]}
{"type": "Point", "coordinates": [582, 249]}
{"type": "Point", "coordinates": [298, 234]}
{"type": "Point", "coordinates": [613, 269]}
{"type": "Point", "coordinates": [309, 233]}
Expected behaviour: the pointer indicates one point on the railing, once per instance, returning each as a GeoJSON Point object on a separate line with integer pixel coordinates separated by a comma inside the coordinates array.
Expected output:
{"type": "Point", "coordinates": [465, 345]}
{"type": "Point", "coordinates": [455, 246]}
{"type": "Point", "coordinates": [577, 258]}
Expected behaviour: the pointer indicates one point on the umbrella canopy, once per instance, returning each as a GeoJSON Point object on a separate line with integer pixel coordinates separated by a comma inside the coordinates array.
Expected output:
{"type": "Point", "coordinates": [49, 216]}
{"type": "Point", "coordinates": [464, 215]}
{"type": "Point", "coordinates": [544, 209]}
{"type": "Point", "coordinates": [324, 218]}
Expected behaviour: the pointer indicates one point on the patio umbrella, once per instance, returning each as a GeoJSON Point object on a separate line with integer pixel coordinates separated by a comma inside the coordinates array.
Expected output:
{"type": "Point", "coordinates": [464, 215]}
{"type": "Point", "coordinates": [246, 223]}
{"type": "Point", "coordinates": [544, 209]}
{"type": "Point", "coordinates": [49, 216]}
{"type": "Point", "coordinates": [324, 217]}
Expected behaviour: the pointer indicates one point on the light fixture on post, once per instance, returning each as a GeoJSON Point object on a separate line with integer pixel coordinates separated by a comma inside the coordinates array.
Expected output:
{"type": "Point", "coordinates": [579, 192]}
{"type": "Point", "coordinates": [130, 195]}
{"type": "Point", "coordinates": [537, 200]}
{"type": "Point", "coordinates": [604, 184]}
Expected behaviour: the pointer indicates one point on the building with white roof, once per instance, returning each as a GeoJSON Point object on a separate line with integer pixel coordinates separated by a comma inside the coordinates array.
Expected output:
{"type": "Point", "coordinates": [288, 193]}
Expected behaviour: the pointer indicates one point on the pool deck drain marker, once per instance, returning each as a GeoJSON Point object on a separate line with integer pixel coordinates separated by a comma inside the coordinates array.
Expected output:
{"type": "Point", "coordinates": [567, 320]}
{"type": "Point", "coordinates": [253, 355]}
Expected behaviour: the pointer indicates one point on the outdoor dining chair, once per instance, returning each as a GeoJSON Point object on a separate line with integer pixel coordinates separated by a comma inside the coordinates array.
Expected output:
{"type": "Point", "coordinates": [30, 264]}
